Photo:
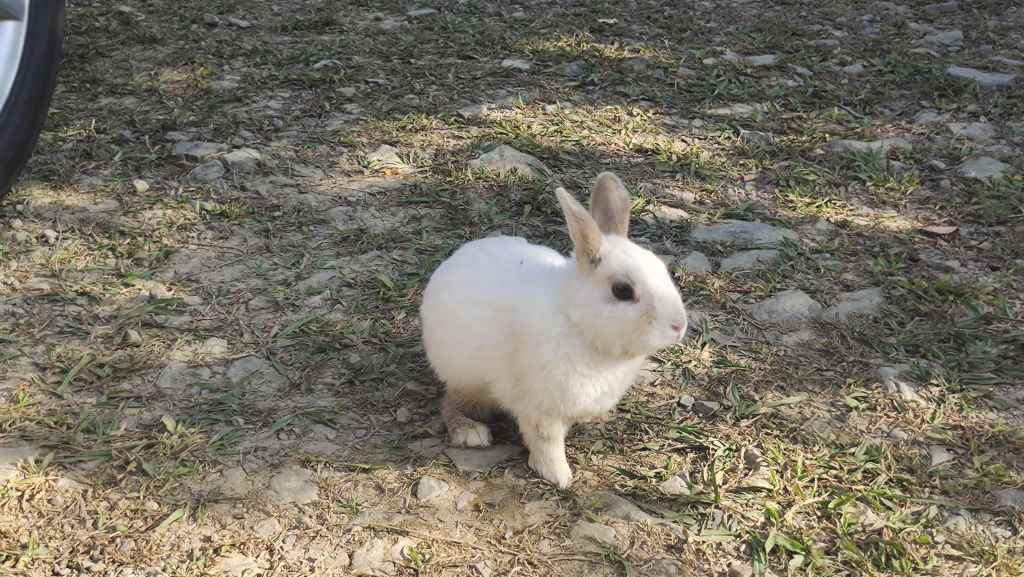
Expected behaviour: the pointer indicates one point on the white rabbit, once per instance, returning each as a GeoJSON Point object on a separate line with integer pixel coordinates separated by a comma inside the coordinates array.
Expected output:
{"type": "Point", "coordinates": [517, 327]}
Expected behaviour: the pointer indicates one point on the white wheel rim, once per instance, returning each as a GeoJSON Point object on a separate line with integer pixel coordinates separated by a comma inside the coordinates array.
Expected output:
{"type": "Point", "coordinates": [13, 28]}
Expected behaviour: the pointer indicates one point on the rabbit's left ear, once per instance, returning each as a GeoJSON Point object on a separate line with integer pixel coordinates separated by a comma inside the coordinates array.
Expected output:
{"type": "Point", "coordinates": [610, 205]}
{"type": "Point", "coordinates": [586, 236]}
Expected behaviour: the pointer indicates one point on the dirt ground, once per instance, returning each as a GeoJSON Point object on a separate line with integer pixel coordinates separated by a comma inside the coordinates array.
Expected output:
{"type": "Point", "coordinates": [209, 344]}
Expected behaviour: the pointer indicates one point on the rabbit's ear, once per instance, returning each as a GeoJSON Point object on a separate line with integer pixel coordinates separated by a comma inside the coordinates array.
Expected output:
{"type": "Point", "coordinates": [586, 236]}
{"type": "Point", "coordinates": [610, 205]}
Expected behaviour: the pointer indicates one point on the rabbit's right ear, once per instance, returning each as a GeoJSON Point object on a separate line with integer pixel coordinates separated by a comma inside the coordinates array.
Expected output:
{"type": "Point", "coordinates": [610, 205]}
{"type": "Point", "coordinates": [586, 236]}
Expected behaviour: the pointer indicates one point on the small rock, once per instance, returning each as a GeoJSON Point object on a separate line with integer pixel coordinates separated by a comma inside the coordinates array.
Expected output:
{"type": "Point", "coordinates": [1007, 61]}
{"type": "Point", "coordinates": [317, 281]}
{"type": "Point", "coordinates": [307, 171]}
{"type": "Point", "coordinates": [243, 159]}
{"type": "Point", "coordinates": [573, 69]}
{"type": "Point", "coordinates": [675, 485]}
{"type": "Point", "coordinates": [670, 214]}
{"type": "Point", "coordinates": [214, 346]}
{"type": "Point", "coordinates": [929, 116]}
{"type": "Point", "coordinates": [51, 236]}
{"type": "Point", "coordinates": [256, 373]}
{"type": "Point", "coordinates": [238, 565]}
{"type": "Point", "coordinates": [944, 39]}
{"type": "Point", "coordinates": [140, 185]}
{"type": "Point", "coordinates": [619, 508]}
{"type": "Point", "coordinates": [983, 78]}
{"type": "Point", "coordinates": [586, 531]}
{"type": "Point", "coordinates": [943, 7]}
{"type": "Point", "coordinates": [982, 167]}
{"type": "Point", "coordinates": [198, 150]}
{"type": "Point", "coordinates": [686, 401]}
{"type": "Point", "coordinates": [12, 457]}
{"type": "Point", "coordinates": [740, 569]}
{"type": "Point", "coordinates": [706, 408]}
{"type": "Point", "coordinates": [177, 375]}
{"type": "Point", "coordinates": [482, 569]}
{"type": "Point", "coordinates": [800, 70]}
{"type": "Point", "coordinates": [859, 146]}
{"type": "Point", "coordinates": [239, 22]}
{"type": "Point", "coordinates": [516, 64]}
{"type": "Point", "coordinates": [267, 528]}
{"type": "Point", "coordinates": [799, 337]}
{"type": "Point", "coordinates": [465, 500]}
{"type": "Point", "coordinates": [1010, 499]}
{"type": "Point", "coordinates": [863, 302]}
{"type": "Point", "coordinates": [132, 337]}
{"type": "Point", "coordinates": [899, 435]}
{"type": "Point", "coordinates": [482, 460]}
{"type": "Point", "coordinates": [207, 172]}
{"type": "Point", "coordinates": [855, 69]}
{"type": "Point", "coordinates": [403, 415]}
{"type": "Point", "coordinates": [825, 43]}
{"type": "Point", "coordinates": [420, 12]}
{"type": "Point", "coordinates": [976, 131]}
{"type": "Point", "coordinates": [385, 156]}
{"type": "Point", "coordinates": [473, 111]}
{"type": "Point", "coordinates": [505, 160]}
{"type": "Point", "coordinates": [234, 482]}
{"type": "Point", "coordinates": [787, 307]}
{"type": "Point", "coordinates": [696, 263]}
{"type": "Point", "coordinates": [940, 455]}
{"type": "Point", "coordinates": [430, 489]}
{"type": "Point", "coordinates": [293, 485]}
{"type": "Point", "coordinates": [747, 260]}
{"type": "Point", "coordinates": [743, 234]}
{"type": "Point", "coordinates": [895, 385]}
{"type": "Point", "coordinates": [665, 568]}
{"type": "Point", "coordinates": [756, 138]}
{"type": "Point", "coordinates": [739, 109]}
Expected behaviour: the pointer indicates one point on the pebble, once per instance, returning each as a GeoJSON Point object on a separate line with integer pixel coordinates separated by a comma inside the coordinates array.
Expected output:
{"type": "Point", "coordinates": [1010, 499]}
{"type": "Point", "coordinates": [982, 167]}
{"type": "Point", "coordinates": [267, 528]}
{"type": "Point", "coordinates": [420, 12]}
{"type": "Point", "coordinates": [12, 457]}
{"type": "Point", "coordinates": [670, 214]}
{"type": "Point", "coordinates": [132, 337]}
{"type": "Point", "coordinates": [861, 146]}
{"type": "Point", "coordinates": [855, 69]}
{"type": "Point", "coordinates": [506, 160]}
{"type": "Point", "coordinates": [675, 485]}
{"type": "Point", "coordinates": [739, 109]}
{"type": "Point", "coordinates": [473, 111]}
{"type": "Point", "coordinates": [51, 236]}
{"type": "Point", "coordinates": [198, 150]}
{"type": "Point", "coordinates": [482, 460]}
{"type": "Point", "coordinates": [706, 408]}
{"type": "Point", "coordinates": [696, 263]}
{"type": "Point", "coordinates": [403, 415]}
{"type": "Point", "coordinates": [385, 156]}
{"type": "Point", "coordinates": [895, 385]}
{"type": "Point", "coordinates": [747, 260]}
{"type": "Point", "coordinates": [243, 159]}
{"type": "Point", "coordinates": [983, 78]}
{"type": "Point", "coordinates": [976, 131]}
{"type": "Point", "coordinates": [516, 64]}
{"type": "Point", "coordinates": [943, 7]}
{"type": "Point", "coordinates": [256, 373]}
{"type": "Point", "coordinates": [618, 507]}
{"type": "Point", "coordinates": [430, 490]}
{"type": "Point", "coordinates": [140, 185]}
{"type": "Point", "coordinates": [177, 375]}
{"type": "Point", "coordinates": [293, 485]}
{"type": "Point", "coordinates": [940, 455]}
{"type": "Point", "coordinates": [207, 172]}
{"type": "Point", "coordinates": [787, 307]}
{"type": "Point", "coordinates": [743, 234]}
{"type": "Point", "coordinates": [863, 302]}
{"type": "Point", "coordinates": [585, 530]}
{"type": "Point", "coordinates": [929, 116]}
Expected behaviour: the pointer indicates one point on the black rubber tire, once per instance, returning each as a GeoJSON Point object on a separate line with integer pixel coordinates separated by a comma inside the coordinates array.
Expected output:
{"type": "Point", "coordinates": [22, 117]}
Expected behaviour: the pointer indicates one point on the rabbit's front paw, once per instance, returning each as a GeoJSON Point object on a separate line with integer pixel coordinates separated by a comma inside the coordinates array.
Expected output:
{"type": "Point", "coordinates": [554, 469]}
{"type": "Point", "coordinates": [470, 434]}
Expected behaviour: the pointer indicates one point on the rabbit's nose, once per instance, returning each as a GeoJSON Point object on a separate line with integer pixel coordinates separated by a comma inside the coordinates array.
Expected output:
{"type": "Point", "coordinates": [678, 327]}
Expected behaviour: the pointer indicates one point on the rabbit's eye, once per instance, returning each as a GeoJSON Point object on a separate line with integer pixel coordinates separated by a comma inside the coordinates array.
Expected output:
{"type": "Point", "coordinates": [623, 291]}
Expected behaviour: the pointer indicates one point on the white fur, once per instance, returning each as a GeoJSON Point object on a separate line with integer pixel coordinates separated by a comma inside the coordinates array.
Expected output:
{"type": "Point", "coordinates": [540, 335]}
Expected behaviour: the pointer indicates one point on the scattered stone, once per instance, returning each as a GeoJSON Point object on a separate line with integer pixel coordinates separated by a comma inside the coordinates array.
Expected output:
{"type": "Point", "coordinates": [740, 569]}
{"type": "Point", "coordinates": [51, 236]}
{"type": "Point", "coordinates": [214, 346]}
{"type": "Point", "coordinates": [431, 490]}
{"type": "Point", "coordinates": [757, 138]}
{"type": "Point", "coordinates": [1007, 61]}
{"type": "Point", "coordinates": [743, 234]}
{"type": "Point", "coordinates": [243, 159]}
{"type": "Point", "coordinates": [465, 500]}
{"type": "Point", "coordinates": [942, 7]}
{"type": "Point", "coordinates": [198, 150]}
{"type": "Point", "coordinates": [929, 116]}
{"type": "Point", "coordinates": [420, 12]}
{"type": "Point", "coordinates": [799, 337]}
{"type": "Point", "coordinates": [696, 263]}
{"type": "Point", "coordinates": [132, 337]}
{"type": "Point", "coordinates": [739, 109]}
{"type": "Point", "coordinates": [386, 156]}
{"type": "Point", "coordinates": [940, 455]}
{"type": "Point", "coordinates": [895, 385]}
{"type": "Point", "coordinates": [316, 282]}
{"type": "Point", "coordinates": [825, 43]}
{"type": "Point", "coordinates": [307, 171]}
{"type": "Point", "coordinates": [855, 69]}
{"type": "Point", "coordinates": [983, 78]}
{"type": "Point", "coordinates": [800, 70]}
{"type": "Point", "coordinates": [976, 131]}
{"type": "Point", "coordinates": [706, 408]}
{"type": "Point", "coordinates": [141, 186]}
{"type": "Point", "coordinates": [944, 39]}
{"type": "Point", "coordinates": [982, 167]}
{"type": "Point", "coordinates": [899, 435]}
{"type": "Point", "coordinates": [177, 375]}
{"type": "Point", "coordinates": [574, 69]}
{"type": "Point", "coordinates": [787, 307]}
{"type": "Point", "coordinates": [619, 508]}
{"type": "Point", "coordinates": [239, 22]}
{"type": "Point", "coordinates": [403, 415]}
{"type": "Point", "coordinates": [675, 485]}
{"type": "Point", "coordinates": [516, 64]}
{"type": "Point", "coordinates": [864, 302]}
{"type": "Point", "coordinates": [1010, 499]}
{"type": "Point", "coordinates": [758, 60]}
{"type": "Point", "coordinates": [473, 111]}
{"type": "Point", "coordinates": [859, 146]}
{"type": "Point", "coordinates": [637, 65]}
{"type": "Point", "coordinates": [267, 528]}
{"type": "Point", "coordinates": [481, 460]}
{"type": "Point", "coordinates": [936, 165]}
{"type": "Point", "coordinates": [670, 214]}
{"type": "Point", "coordinates": [293, 485]}
{"type": "Point", "coordinates": [12, 457]}
{"type": "Point", "coordinates": [234, 482]}
{"type": "Point", "coordinates": [747, 260]}
{"type": "Point", "coordinates": [665, 568]}
{"type": "Point", "coordinates": [347, 91]}
{"type": "Point", "coordinates": [256, 373]}
{"type": "Point", "coordinates": [504, 160]}
{"type": "Point", "coordinates": [482, 569]}
{"type": "Point", "coordinates": [584, 531]}
{"type": "Point", "coordinates": [207, 172]}
{"type": "Point", "coordinates": [238, 565]}
{"type": "Point", "coordinates": [380, 556]}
